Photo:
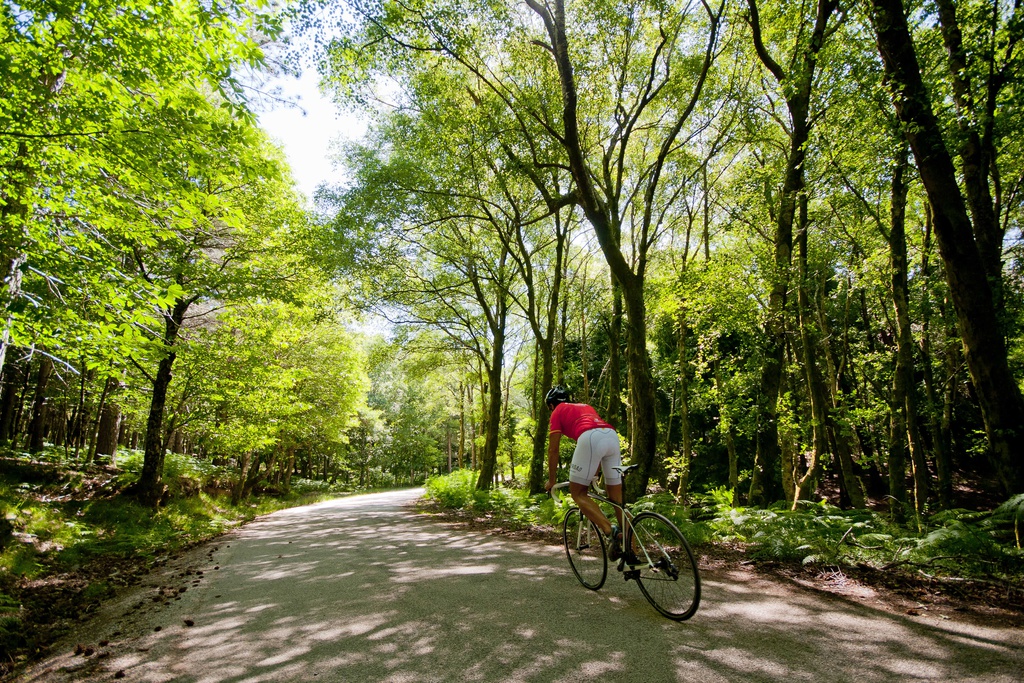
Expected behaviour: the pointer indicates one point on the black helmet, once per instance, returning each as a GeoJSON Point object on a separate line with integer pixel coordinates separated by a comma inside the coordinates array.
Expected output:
{"type": "Point", "coordinates": [558, 394]}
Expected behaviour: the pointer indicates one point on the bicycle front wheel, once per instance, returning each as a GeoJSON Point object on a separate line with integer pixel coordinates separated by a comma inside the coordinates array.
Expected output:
{"type": "Point", "coordinates": [667, 569]}
{"type": "Point", "coordinates": [584, 546]}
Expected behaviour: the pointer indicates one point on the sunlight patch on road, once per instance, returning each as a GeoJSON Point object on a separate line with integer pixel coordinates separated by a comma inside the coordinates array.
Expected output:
{"type": "Point", "coordinates": [284, 656]}
{"type": "Point", "coordinates": [261, 608]}
{"type": "Point", "coordinates": [598, 669]}
{"type": "Point", "coordinates": [411, 574]}
{"type": "Point", "coordinates": [740, 660]}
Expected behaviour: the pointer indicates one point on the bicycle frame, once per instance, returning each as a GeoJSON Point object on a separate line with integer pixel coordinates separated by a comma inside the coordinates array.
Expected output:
{"type": "Point", "coordinates": [654, 553]}
{"type": "Point", "coordinates": [628, 532]}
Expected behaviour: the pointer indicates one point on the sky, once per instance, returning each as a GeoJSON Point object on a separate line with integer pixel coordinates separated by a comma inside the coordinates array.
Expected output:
{"type": "Point", "coordinates": [308, 130]}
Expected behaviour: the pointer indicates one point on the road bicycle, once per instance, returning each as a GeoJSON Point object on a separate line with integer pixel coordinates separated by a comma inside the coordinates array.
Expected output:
{"type": "Point", "coordinates": [655, 554]}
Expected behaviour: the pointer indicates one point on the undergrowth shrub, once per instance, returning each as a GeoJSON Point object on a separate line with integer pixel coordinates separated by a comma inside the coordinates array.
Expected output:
{"type": "Point", "coordinates": [954, 542]}
{"type": "Point", "coordinates": [184, 475]}
{"type": "Point", "coordinates": [457, 491]}
{"type": "Point", "coordinates": [453, 491]}
{"type": "Point", "coordinates": [314, 487]}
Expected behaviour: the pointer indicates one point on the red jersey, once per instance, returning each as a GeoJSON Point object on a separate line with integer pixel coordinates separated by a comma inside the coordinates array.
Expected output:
{"type": "Point", "coordinates": [572, 419]}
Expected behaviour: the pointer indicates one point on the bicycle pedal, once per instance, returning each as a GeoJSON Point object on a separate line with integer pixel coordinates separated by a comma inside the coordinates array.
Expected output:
{"type": "Point", "coordinates": [631, 574]}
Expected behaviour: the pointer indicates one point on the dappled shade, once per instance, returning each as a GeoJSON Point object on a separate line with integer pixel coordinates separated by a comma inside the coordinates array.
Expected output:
{"type": "Point", "coordinates": [360, 589]}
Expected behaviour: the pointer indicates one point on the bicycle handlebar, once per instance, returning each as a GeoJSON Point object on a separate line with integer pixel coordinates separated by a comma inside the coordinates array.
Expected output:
{"type": "Point", "coordinates": [564, 485]}
{"type": "Point", "coordinates": [557, 498]}
{"type": "Point", "coordinates": [593, 485]}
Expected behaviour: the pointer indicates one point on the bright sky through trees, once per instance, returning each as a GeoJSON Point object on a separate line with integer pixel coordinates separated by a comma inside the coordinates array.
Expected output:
{"type": "Point", "coordinates": [308, 129]}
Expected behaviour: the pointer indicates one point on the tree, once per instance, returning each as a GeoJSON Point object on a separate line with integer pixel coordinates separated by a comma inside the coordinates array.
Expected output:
{"type": "Point", "coordinates": [453, 272]}
{"type": "Point", "coordinates": [413, 408]}
{"type": "Point", "coordinates": [796, 84]}
{"type": "Point", "coordinates": [224, 212]}
{"type": "Point", "coordinates": [619, 167]}
{"type": "Point", "coordinates": [269, 379]}
{"type": "Point", "coordinates": [611, 190]}
{"type": "Point", "coordinates": [83, 87]}
{"type": "Point", "coordinates": [998, 393]}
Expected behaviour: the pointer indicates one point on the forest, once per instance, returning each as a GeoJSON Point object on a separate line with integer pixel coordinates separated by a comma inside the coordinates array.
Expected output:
{"type": "Point", "coordinates": [776, 244]}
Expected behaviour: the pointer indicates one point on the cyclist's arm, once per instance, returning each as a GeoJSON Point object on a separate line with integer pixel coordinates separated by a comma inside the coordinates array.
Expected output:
{"type": "Point", "coordinates": [554, 439]}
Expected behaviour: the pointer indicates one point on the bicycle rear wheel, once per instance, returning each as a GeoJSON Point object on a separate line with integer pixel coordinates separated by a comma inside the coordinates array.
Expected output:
{"type": "Point", "coordinates": [667, 569]}
{"type": "Point", "coordinates": [584, 546]}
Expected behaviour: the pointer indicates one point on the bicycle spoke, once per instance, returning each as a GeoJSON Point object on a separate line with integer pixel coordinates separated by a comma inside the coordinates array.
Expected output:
{"type": "Point", "coordinates": [584, 546]}
{"type": "Point", "coordinates": [667, 570]}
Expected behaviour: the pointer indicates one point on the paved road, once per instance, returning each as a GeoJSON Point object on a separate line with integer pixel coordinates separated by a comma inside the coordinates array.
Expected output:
{"type": "Point", "coordinates": [364, 589]}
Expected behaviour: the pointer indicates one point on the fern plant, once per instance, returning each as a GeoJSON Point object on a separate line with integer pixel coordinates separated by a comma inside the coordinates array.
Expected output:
{"type": "Point", "coordinates": [1013, 510]}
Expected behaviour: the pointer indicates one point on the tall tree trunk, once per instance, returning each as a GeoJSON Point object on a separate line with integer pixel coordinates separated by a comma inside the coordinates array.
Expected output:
{"type": "Point", "coordinates": [729, 431]}
{"type": "Point", "coordinates": [999, 396]}
{"type": "Point", "coordinates": [837, 388]}
{"type": "Point", "coordinates": [897, 457]}
{"type": "Point", "coordinates": [471, 417]}
{"type": "Point", "coordinates": [685, 429]}
{"type": "Point", "coordinates": [108, 430]}
{"type": "Point", "coordinates": [492, 426]}
{"type": "Point", "coordinates": [953, 365]}
{"type": "Point", "coordinates": [545, 331]}
{"type": "Point", "coordinates": [81, 413]}
{"type": "Point", "coordinates": [789, 437]}
{"type": "Point", "coordinates": [940, 440]}
{"type": "Point", "coordinates": [540, 436]}
{"type": "Point", "coordinates": [903, 371]}
{"type": "Point", "coordinates": [58, 425]}
{"type": "Point", "coordinates": [681, 397]}
{"type": "Point", "coordinates": [797, 85]}
{"type": "Point", "coordinates": [289, 468]}
{"type": "Point", "coordinates": [643, 419]}
{"type": "Point", "coordinates": [462, 423]}
{"type": "Point", "coordinates": [664, 475]}
{"type": "Point", "coordinates": [238, 490]}
{"type": "Point", "coordinates": [37, 427]}
{"type": "Point", "coordinates": [615, 407]}
{"type": "Point", "coordinates": [509, 429]}
{"type": "Point", "coordinates": [252, 478]}
{"type": "Point", "coordinates": [807, 484]}
{"type": "Point", "coordinates": [150, 488]}
{"type": "Point", "coordinates": [904, 396]}
{"type": "Point", "coordinates": [13, 379]}
{"type": "Point", "coordinates": [844, 460]}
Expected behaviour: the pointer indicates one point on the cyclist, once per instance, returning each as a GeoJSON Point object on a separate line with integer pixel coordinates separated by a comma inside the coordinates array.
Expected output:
{"type": "Point", "coordinates": [597, 448]}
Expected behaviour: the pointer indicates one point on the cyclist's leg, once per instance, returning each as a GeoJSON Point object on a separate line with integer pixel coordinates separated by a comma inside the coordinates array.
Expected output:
{"type": "Point", "coordinates": [589, 507]}
{"type": "Point", "coordinates": [615, 495]}
{"type": "Point", "coordinates": [606, 445]}
{"type": "Point", "coordinates": [581, 473]}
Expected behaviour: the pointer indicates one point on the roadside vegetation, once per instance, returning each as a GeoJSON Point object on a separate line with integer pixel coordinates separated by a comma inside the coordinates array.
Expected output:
{"type": "Point", "coordinates": [952, 547]}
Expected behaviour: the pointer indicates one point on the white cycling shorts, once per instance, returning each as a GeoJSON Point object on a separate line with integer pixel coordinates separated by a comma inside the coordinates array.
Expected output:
{"type": "Point", "coordinates": [596, 447]}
